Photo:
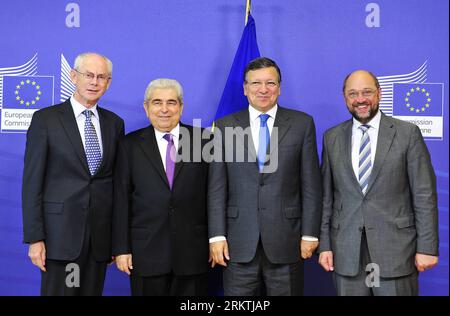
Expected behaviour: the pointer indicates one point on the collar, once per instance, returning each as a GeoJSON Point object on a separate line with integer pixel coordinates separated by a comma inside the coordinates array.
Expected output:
{"type": "Point", "coordinates": [175, 132]}
{"type": "Point", "coordinates": [374, 122]}
{"type": "Point", "coordinates": [78, 108]}
{"type": "Point", "coordinates": [254, 113]}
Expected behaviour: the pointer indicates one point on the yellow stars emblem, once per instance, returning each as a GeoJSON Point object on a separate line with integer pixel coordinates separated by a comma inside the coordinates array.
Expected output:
{"type": "Point", "coordinates": [23, 84]}
{"type": "Point", "coordinates": [410, 97]}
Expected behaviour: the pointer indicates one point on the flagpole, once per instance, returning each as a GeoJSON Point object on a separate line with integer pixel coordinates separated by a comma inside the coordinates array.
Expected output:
{"type": "Point", "coordinates": [233, 98]}
{"type": "Point", "coordinates": [247, 10]}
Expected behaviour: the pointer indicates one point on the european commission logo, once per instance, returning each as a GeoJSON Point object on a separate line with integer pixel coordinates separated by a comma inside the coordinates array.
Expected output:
{"type": "Point", "coordinates": [421, 104]}
{"type": "Point", "coordinates": [409, 97]}
{"type": "Point", "coordinates": [417, 99]}
{"type": "Point", "coordinates": [22, 96]}
{"type": "Point", "coordinates": [27, 90]}
{"type": "Point", "coordinates": [23, 92]}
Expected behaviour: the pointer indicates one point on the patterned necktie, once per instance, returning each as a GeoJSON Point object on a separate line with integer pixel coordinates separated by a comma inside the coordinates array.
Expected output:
{"type": "Point", "coordinates": [92, 146]}
{"type": "Point", "coordinates": [170, 158]}
{"type": "Point", "coordinates": [365, 163]}
{"type": "Point", "coordinates": [264, 139]}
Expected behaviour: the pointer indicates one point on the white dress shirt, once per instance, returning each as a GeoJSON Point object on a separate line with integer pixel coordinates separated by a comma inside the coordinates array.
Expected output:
{"type": "Point", "coordinates": [255, 123]}
{"type": "Point", "coordinates": [78, 110]}
{"type": "Point", "coordinates": [162, 142]}
{"type": "Point", "coordinates": [356, 140]}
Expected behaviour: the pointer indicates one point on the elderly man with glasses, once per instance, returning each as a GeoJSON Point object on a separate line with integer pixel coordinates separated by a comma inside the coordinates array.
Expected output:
{"type": "Point", "coordinates": [380, 221]}
{"type": "Point", "coordinates": [68, 184]}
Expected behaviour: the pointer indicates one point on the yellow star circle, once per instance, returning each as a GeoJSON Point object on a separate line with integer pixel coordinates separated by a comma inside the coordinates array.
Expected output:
{"type": "Point", "coordinates": [21, 86]}
{"type": "Point", "coordinates": [410, 95]}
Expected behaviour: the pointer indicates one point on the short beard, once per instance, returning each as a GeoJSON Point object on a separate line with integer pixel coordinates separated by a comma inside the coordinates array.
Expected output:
{"type": "Point", "coordinates": [365, 120]}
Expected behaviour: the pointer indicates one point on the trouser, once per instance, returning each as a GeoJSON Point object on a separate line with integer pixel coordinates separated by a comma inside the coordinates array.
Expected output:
{"type": "Point", "coordinates": [82, 277]}
{"type": "Point", "coordinates": [259, 275]}
{"type": "Point", "coordinates": [169, 285]}
{"type": "Point", "coordinates": [366, 284]}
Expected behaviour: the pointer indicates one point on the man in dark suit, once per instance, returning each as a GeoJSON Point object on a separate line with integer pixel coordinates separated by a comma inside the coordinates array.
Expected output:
{"type": "Point", "coordinates": [380, 221]}
{"type": "Point", "coordinates": [67, 191]}
{"type": "Point", "coordinates": [264, 210]}
{"type": "Point", "coordinates": [160, 226]}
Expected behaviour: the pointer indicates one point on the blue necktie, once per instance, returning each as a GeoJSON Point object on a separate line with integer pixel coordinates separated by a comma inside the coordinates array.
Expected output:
{"type": "Point", "coordinates": [92, 146]}
{"type": "Point", "coordinates": [264, 139]}
{"type": "Point", "coordinates": [365, 162]}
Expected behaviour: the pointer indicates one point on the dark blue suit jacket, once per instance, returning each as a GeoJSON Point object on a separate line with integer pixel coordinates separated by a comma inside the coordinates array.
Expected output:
{"type": "Point", "coordinates": [60, 198]}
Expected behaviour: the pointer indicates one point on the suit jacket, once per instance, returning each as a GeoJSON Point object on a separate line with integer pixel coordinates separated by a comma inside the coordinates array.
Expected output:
{"type": "Point", "coordinates": [399, 210]}
{"type": "Point", "coordinates": [60, 198]}
{"type": "Point", "coordinates": [277, 207]}
{"type": "Point", "coordinates": [164, 230]}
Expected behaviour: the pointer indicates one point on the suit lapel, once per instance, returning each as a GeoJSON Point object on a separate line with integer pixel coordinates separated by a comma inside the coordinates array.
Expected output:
{"type": "Point", "coordinates": [70, 126]}
{"type": "Point", "coordinates": [150, 148]}
{"type": "Point", "coordinates": [282, 125]}
{"type": "Point", "coordinates": [106, 136]}
{"type": "Point", "coordinates": [346, 152]}
{"type": "Point", "coordinates": [243, 120]}
{"type": "Point", "coordinates": [386, 135]}
{"type": "Point", "coordinates": [179, 164]}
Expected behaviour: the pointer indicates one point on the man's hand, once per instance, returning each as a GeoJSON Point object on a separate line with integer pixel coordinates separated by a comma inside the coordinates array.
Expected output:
{"type": "Point", "coordinates": [307, 248]}
{"type": "Point", "coordinates": [124, 263]}
{"type": "Point", "coordinates": [425, 262]}
{"type": "Point", "coordinates": [326, 260]}
{"type": "Point", "coordinates": [36, 252]}
{"type": "Point", "coordinates": [218, 252]}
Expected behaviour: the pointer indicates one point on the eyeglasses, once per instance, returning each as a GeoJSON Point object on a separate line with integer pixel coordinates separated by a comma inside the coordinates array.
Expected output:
{"type": "Point", "coordinates": [159, 103]}
{"type": "Point", "coordinates": [366, 93]}
{"type": "Point", "coordinates": [255, 85]}
{"type": "Point", "coordinates": [90, 76]}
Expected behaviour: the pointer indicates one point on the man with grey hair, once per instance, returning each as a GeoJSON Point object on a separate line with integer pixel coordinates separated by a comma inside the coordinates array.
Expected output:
{"type": "Point", "coordinates": [67, 191]}
{"type": "Point", "coordinates": [160, 234]}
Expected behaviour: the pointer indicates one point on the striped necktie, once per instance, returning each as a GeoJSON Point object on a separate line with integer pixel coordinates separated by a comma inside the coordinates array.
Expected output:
{"type": "Point", "coordinates": [365, 162]}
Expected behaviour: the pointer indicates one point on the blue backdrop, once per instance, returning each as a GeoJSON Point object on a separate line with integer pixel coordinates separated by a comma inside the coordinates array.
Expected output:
{"type": "Point", "coordinates": [315, 42]}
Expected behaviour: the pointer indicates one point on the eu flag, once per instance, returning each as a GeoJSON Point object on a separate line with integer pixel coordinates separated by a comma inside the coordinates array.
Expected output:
{"type": "Point", "coordinates": [233, 98]}
{"type": "Point", "coordinates": [417, 99]}
{"type": "Point", "coordinates": [27, 92]}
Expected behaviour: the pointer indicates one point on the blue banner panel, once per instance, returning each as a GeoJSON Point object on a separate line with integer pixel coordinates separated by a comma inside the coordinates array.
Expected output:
{"type": "Point", "coordinates": [418, 99]}
{"type": "Point", "coordinates": [316, 43]}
